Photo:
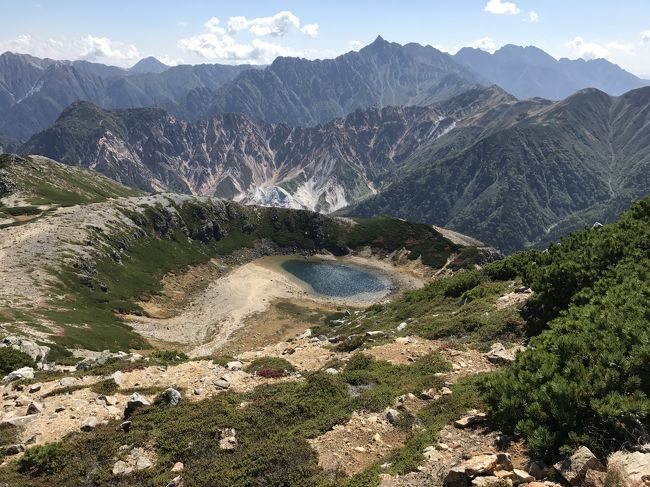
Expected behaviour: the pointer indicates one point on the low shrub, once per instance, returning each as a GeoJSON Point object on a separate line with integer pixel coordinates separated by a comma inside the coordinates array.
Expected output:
{"type": "Point", "coordinates": [11, 359]}
{"type": "Point", "coordinates": [270, 367]}
{"type": "Point", "coordinates": [42, 459]}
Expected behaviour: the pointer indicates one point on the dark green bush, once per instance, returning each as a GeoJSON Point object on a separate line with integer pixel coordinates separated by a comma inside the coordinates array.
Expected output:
{"type": "Point", "coordinates": [11, 359]}
{"type": "Point", "coordinates": [586, 378]}
{"type": "Point", "coordinates": [42, 460]}
{"type": "Point", "coordinates": [461, 282]}
{"type": "Point", "coordinates": [168, 356]}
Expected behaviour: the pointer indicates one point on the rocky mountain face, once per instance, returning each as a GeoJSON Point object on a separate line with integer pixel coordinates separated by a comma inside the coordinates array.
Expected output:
{"type": "Point", "coordinates": [322, 168]}
{"type": "Point", "coordinates": [303, 92]}
{"type": "Point", "coordinates": [528, 72]}
{"type": "Point", "coordinates": [34, 92]}
{"type": "Point", "coordinates": [542, 171]}
{"type": "Point", "coordinates": [511, 173]}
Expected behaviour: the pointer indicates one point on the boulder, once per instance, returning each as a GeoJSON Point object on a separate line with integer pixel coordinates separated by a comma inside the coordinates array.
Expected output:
{"type": "Point", "coordinates": [375, 333]}
{"type": "Point", "coordinates": [18, 420]}
{"type": "Point", "coordinates": [574, 468]}
{"type": "Point", "coordinates": [499, 355]}
{"type": "Point", "coordinates": [470, 420]}
{"type": "Point", "coordinates": [480, 465]}
{"type": "Point", "coordinates": [121, 468]}
{"type": "Point", "coordinates": [23, 373]}
{"type": "Point", "coordinates": [176, 482]}
{"type": "Point", "coordinates": [392, 415]}
{"type": "Point", "coordinates": [331, 371]}
{"type": "Point", "coordinates": [68, 381]}
{"type": "Point", "coordinates": [171, 396]}
{"type": "Point", "coordinates": [401, 326]}
{"type": "Point", "coordinates": [135, 401]}
{"type": "Point", "coordinates": [504, 462]}
{"type": "Point", "coordinates": [37, 352]}
{"type": "Point", "coordinates": [632, 465]}
{"type": "Point", "coordinates": [117, 377]}
{"type": "Point", "coordinates": [178, 467]}
{"type": "Point", "coordinates": [234, 365]}
{"type": "Point", "coordinates": [222, 383]}
{"type": "Point", "coordinates": [90, 424]}
{"type": "Point", "coordinates": [35, 387]}
{"type": "Point", "coordinates": [490, 481]}
{"type": "Point", "coordinates": [538, 470]}
{"type": "Point", "coordinates": [520, 477]}
{"type": "Point", "coordinates": [594, 478]}
{"type": "Point", "coordinates": [108, 400]}
{"type": "Point", "coordinates": [228, 439]}
{"type": "Point", "coordinates": [199, 391]}
{"type": "Point", "coordinates": [456, 477]}
{"type": "Point", "coordinates": [14, 449]}
{"type": "Point", "coordinates": [34, 408]}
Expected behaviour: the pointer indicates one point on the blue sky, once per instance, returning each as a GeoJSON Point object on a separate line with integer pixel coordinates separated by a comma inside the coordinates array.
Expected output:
{"type": "Point", "coordinates": [120, 32]}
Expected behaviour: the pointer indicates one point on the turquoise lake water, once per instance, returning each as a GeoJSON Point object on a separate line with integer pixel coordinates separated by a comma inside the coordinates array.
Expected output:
{"type": "Point", "coordinates": [338, 280]}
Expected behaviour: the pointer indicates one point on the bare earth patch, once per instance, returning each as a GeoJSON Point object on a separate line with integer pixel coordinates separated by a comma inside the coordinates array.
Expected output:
{"type": "Point", "coordinates": [350, 448]}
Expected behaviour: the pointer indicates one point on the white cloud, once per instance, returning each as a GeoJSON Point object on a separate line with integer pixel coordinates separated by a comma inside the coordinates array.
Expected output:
{"type": "Point", "coordinates": [355, 45]}
{"type": "Point", "coordinates": [581, 48]}
{"type": "Point", "coordinates": [220, 44]}
{"type": "Point", "coordinates": [532, 17]}
{"type": "Point", "coordinates": [212, 25]}
{"type": "Point", "coordinates": [182, 23]}
{"type": "Point", "coordinates": [102, 49]}
{"type": "Point", "coordinates": [310, 30]}
{"type": "Point", "coordinates": [89, 48]}
{"type": "Point", "coordinates": [586, 50]}
{"type": "Point", "coordinates": [276, 25]}
{"type": "Point", "coordinates": [498, 7]}
{"type": "Point", "coordinates": [485, 44]}
{"type": "Point", "coordinates": [222, 47]}
{"type": "Point", "coordinates": [645, 37]}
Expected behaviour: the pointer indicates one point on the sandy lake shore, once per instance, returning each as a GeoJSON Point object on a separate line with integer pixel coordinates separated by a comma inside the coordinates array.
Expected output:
{"type": "Point", "coordinates": [213, 315]}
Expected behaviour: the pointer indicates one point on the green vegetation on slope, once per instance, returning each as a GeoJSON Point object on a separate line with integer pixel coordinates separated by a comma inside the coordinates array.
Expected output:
{"type": "Point", "coordinates": [271, 429]}
{"type": "Point", "coordinates": [584, 378]}
{"type": "Point", "coordinates": [462, 307]}
{"type": "Point", "coordinates": [45, 182]}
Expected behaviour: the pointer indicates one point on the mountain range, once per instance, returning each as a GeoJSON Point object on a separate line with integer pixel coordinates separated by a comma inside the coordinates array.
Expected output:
{"type": "Point", "coordinates": [298, 92]}
{"type": "Point", "coordinates": [528, 72]}
{"type": "Point", "coordinates": [34, 92]}
{"type": "Point", "coordinates": [511, 173]}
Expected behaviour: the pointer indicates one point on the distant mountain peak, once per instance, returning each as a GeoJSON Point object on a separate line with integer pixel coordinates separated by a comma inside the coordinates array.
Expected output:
{"type": "Point", "coordinates": [149, 65]}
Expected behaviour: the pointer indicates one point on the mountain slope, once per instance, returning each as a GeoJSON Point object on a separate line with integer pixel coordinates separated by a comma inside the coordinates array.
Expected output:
{"type": "Point", "coordinates": [34, 92]}
{"type": "Point", "coordinates": [528, 72]}
{"type": "Point", "coordinates": [564, 165]}
{"type": "Point", "coordinates": [303, 92]}
{"type": "Point", "coordinates": [323, 168]}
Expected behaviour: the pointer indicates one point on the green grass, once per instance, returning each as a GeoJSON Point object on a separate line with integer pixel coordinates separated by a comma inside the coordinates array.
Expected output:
{"type": "Point", "coordinates": [272, 431]}
{"type": "Point", "coordinates": [50, 183]}
{"type": "Point", "coordinates": [461, 307]}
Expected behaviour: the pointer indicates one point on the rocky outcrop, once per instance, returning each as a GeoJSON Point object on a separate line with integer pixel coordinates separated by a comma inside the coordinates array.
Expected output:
{"type": "Point", "coordinates": [135, 401]}
{"type": "Point", "coordinates": [574, 468]}
{"type": "Point", "coordinates": [634, 466]}
{"type": "Point", "coordinates": [37, 352]}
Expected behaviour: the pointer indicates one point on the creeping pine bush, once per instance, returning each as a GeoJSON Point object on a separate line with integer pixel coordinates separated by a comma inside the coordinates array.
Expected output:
{"type": "Point", "coordinates": [11, 359]}
{"type": "Point", "coordinates": [42, 460]}
{"type": "Point", "coordinates": [586, 378]}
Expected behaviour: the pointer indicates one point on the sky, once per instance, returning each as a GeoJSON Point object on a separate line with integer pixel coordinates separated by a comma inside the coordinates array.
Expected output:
{"type": "Point", "coordinates": [121, 32]}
